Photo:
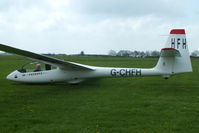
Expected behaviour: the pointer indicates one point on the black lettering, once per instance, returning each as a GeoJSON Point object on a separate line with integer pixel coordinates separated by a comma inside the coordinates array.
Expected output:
{"type": "Point", "coordinates": [138, 72]}
{"type": "Point", "coordinates": [122, 72]}
{"type": "Point", "coordinates": [113, 72]}
{"type": "Point", "coordinates": [184, 43]}
{"type": "Point", "coordinates": [172, 42]}
{"type": "Point", "coordinates": [128, 72]}
{"type": "Point", "coordinates": [178, 43]}
{"type": "Point", "coordinates": [133, 72]}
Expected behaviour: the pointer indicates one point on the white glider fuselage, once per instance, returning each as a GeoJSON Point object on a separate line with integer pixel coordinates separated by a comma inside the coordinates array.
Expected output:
{"type": "Point", "coordinates": [174, 59]}
{"type": "Point", "coordinates": [58, 75]}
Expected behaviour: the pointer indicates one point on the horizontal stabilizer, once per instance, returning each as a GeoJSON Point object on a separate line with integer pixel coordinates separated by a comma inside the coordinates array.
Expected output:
{"type": "Point", "coordinates": [169, 52]}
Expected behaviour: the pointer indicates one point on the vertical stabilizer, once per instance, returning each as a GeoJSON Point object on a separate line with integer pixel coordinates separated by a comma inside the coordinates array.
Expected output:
{"type": "Point", "coordinates": [174, 57]}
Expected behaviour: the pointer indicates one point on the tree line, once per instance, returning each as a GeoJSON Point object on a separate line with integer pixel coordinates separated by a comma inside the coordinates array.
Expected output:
{"type": "Point", "coordinates": [121, 53]}
{"type": "Point", "coordinates": [195, 53]}
{"type": "Point", "coordinates": [129, 53]}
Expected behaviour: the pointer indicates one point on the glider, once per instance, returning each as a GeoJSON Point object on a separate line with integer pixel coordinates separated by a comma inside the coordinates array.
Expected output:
{"type": "Point", "coordinates": [174, 59]}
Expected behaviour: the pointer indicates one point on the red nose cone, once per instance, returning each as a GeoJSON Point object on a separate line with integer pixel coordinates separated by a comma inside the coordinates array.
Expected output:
{"type": "Point", "coordinates": [177, 31]}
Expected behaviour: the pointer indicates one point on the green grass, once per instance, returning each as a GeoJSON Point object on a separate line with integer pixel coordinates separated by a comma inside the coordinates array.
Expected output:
{"type": "Point", "coordinates": [110, 105]}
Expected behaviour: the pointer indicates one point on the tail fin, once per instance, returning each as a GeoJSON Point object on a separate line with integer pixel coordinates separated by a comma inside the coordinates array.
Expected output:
{"type": "Point", "coordinates": [174, 57]}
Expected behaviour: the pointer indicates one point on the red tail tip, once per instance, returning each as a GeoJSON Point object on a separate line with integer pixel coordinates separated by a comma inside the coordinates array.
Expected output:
{"type": "Point", "coordinates": [177, 31]}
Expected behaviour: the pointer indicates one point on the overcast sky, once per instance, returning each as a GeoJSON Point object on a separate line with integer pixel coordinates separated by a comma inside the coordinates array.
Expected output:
{"type": "Point", "coordinates": [95, 26]}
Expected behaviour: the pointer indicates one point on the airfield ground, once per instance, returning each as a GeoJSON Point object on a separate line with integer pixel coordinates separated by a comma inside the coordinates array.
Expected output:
{"type": "Point", "coordinates": [110, 105]}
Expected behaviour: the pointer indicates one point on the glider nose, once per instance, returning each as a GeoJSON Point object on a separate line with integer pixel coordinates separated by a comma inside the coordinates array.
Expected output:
{"type": "Point", "coordinates": [12, 76]}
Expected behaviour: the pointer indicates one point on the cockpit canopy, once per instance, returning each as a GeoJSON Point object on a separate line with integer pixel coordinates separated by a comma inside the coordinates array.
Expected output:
{"type": "Point", "coordinates": [31, 67]}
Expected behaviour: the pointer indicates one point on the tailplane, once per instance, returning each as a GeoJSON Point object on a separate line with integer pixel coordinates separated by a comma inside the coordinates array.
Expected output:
{"type": "Point", "coordinates": [174, 57]}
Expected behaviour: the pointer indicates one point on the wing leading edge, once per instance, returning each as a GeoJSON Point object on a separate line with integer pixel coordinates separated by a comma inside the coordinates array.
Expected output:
{"type": "Point", "coordinates": [46, 59]}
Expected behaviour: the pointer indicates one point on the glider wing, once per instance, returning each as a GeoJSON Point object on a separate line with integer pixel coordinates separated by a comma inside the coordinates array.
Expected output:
{"type": "Point", "coordinates": [46, 59]}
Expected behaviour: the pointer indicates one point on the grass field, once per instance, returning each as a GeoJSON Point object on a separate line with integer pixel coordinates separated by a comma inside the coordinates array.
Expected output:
{"type": "Point", "coordinates": [111, 105]}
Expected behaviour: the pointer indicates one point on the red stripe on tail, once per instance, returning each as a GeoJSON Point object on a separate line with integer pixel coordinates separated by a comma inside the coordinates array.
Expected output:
{"type": "Point", "coordinates": [177, 31]}
{"type": "Point", "coordinates": [168, 49]}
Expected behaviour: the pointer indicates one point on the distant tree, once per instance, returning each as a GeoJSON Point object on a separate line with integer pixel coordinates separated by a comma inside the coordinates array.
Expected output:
{"type": "Point", "coordinates": [125, 53]}
{"type": "Point", "coordinates": [155, 53]}
{"type": "Point", "coordinates": [195, 53]}
{"type": "Point", "coordinates": [82, 53]}
{"type": "Point", "coordinates": [142, 54]}
{"type": "Point", "coordinates": [147, 53]}
{"type": "Point", "coordinates": [112, 53]}
{"type": "Point", "coordinates": [128, 53]}
{"type": "Point", "coordinates": [135, 53]}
